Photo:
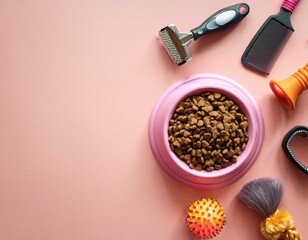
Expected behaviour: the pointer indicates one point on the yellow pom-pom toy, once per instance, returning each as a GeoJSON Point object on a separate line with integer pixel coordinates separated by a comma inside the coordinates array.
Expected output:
{"type": "Point", "coordinates": [205, 218]}
{"type": "Point", "coordinates": [264, 195]}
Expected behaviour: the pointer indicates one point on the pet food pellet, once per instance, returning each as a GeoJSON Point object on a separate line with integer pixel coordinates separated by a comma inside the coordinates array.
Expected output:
{"type": "Point", "coordinates": [222, 108]}
{"type": "Point", "coordinates": [201, 103]}
{"type": "Point", "coordinates": [220, 126]}
{"type": "Point", "coordinates": [207, 136]}
{"type": "Point", "coordinates": [213, 113]}
{"type": "Point", "coordinates": [186, 133]}
{"type": "Point", "coordinates": [208, 131]}
{"type": "Point", "coordinates": [237, 140]}
{"type": "Point", "coordinates": [200, 123]}
{"type": "Point", "coordinates": [207, 108]}
{"type": "Point", "coordinates": [215, 134]}
{"type": "Point", "coordinates": [217, 95]}
{"type": "Point", "coordinates": [211, 97]}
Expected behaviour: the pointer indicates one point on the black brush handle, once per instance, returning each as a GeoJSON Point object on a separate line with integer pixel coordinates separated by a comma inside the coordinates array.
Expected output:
{"type": "Point", "coordinates": [221, 19]}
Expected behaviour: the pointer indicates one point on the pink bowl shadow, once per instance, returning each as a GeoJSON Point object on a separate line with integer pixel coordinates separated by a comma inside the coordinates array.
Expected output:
{"type": "Point", "coordinates": [164, 108]}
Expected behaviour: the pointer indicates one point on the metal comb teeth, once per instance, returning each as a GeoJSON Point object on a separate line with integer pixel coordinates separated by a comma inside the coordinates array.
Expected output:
{"type": "Point", "coordinates": [176, 44]}
{"type": "Point", "coordinates": [173, 52]}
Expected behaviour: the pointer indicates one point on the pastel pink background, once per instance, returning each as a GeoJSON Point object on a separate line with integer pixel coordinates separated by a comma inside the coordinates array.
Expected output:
{"type": "Point", "coordinates": [78, 81]}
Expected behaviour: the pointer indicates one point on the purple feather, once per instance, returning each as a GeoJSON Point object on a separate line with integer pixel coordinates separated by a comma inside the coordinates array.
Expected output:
{"type": "Point", "coordinates": [262, 195]}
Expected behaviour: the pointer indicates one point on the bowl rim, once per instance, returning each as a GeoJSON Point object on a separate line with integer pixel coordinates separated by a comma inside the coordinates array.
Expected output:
{"type": "Point", "coordinates": [192, 85]}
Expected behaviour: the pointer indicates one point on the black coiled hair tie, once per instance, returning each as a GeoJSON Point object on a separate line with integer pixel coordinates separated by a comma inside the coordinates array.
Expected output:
{"type": "Point", "coordinates": [301, 131]}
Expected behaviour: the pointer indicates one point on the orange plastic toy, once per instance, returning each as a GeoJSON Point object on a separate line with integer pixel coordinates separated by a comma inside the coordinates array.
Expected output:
{"type": "Point", "coordinates": [205, 218]}
{"type": "Point", "coordinates": [290, 88]}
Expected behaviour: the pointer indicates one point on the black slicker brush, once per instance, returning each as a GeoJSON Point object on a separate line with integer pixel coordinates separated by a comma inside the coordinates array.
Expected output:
{"type": "Point", "coordinates": [266, 46]}
{"type": "Point", "coordinates": [264, 196]}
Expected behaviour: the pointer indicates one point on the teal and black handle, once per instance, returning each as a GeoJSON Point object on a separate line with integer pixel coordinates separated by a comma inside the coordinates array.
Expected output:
{"type": "Point", "coordinates": [221, 19]}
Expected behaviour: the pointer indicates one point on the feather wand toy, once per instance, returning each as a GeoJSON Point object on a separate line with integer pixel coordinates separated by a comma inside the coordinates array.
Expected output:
{"type": "Point", "coordinates": [264, 196]}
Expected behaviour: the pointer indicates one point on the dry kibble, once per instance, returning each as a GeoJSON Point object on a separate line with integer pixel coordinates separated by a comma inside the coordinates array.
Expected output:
{"type": "Point", "coordinates": [209, 128]}
{"type": "Point", "coordinates": [207, 136]}
{"type": "Point", "coordinates": [200, 123]}
{"type": "Point", "coordinates": [194, 108]}
{"type": "Point", "coordinates": [217, 167]}
{"type": "Point", "coordinates": [208, 131]}
{"type": "Point", "coordinates": [219, 142]}
{"type": "Point", "coordinates": [244, 125]}
{"type": "Point", "coordinates": [234, 127]}
{"type": "Point", "coordinates": [237, 150]}
{"type": "Point", "coordinates": [210, 97]}
{"type": "Point", "coordinates": [234, 159]}
{"type": "Point", "coordinates": [204, 144]}
{"type": "Point", "coordinates": [179, 109]}
{"type": "Point", "coordinates": [237, 140]}
{"type": "Point", "coordinates": [220, 126]}
{"type": "Point", "coordinates": [217, 95]}
{"type": "Point", "coordinates": [210, 169]}
{"type": "Point", "coordinates": [184, 119]}
{"type": "Point", "coordinates": [193, 152]}
{"type": "Point", "coordinates": [207, 108]}
{"type": "Point", "coordinates": [213, 113]}
{"type": "Point", "coordinates": [201, 103]}
{"type": "Point", "coordinates": [231, 153]}
{"type": "Point", "coordinates": [193, 121]}
{"type": "Point", "coordinates": [198, 167]}
{"type": "Point", "coordinates": [176, 143]}
{"type": "Point", "coordinates": [186, 133]}
{"type": "Point", "coordinates": [222, 108]}
{"type": "Point", "coordinates": [215, 134]}
{"type": "Point", "coordinates": [227, 119]}
{"type": "Point", "coordinates": [187, 141]}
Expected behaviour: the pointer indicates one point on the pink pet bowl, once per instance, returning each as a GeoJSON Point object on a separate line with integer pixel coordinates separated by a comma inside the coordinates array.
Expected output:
{"type": "Point", "coordinates": [163, 110]}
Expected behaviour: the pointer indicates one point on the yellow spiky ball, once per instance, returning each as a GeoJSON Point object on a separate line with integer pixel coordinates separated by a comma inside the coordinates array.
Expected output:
{"type": "Point", "coordinates": [205, 218]}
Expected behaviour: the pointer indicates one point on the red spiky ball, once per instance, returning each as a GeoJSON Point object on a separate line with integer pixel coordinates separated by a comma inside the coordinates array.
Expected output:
{"type": "Point", "coordinates": [205, 218]}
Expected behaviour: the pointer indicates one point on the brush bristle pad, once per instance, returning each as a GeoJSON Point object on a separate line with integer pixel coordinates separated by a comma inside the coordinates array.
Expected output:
{"type": "Point", "coordinates": [268, 46]}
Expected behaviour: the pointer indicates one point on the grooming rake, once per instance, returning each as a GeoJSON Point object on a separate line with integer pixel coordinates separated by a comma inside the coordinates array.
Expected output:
{"type": "Point", "coordinates": [177, 43]}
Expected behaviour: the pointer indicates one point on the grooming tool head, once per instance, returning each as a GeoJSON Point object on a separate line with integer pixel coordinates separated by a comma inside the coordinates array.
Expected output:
{"type": "Point", "coordinates": [267, 46]}
{"type": "Point", "coordinates": [176, 44]}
